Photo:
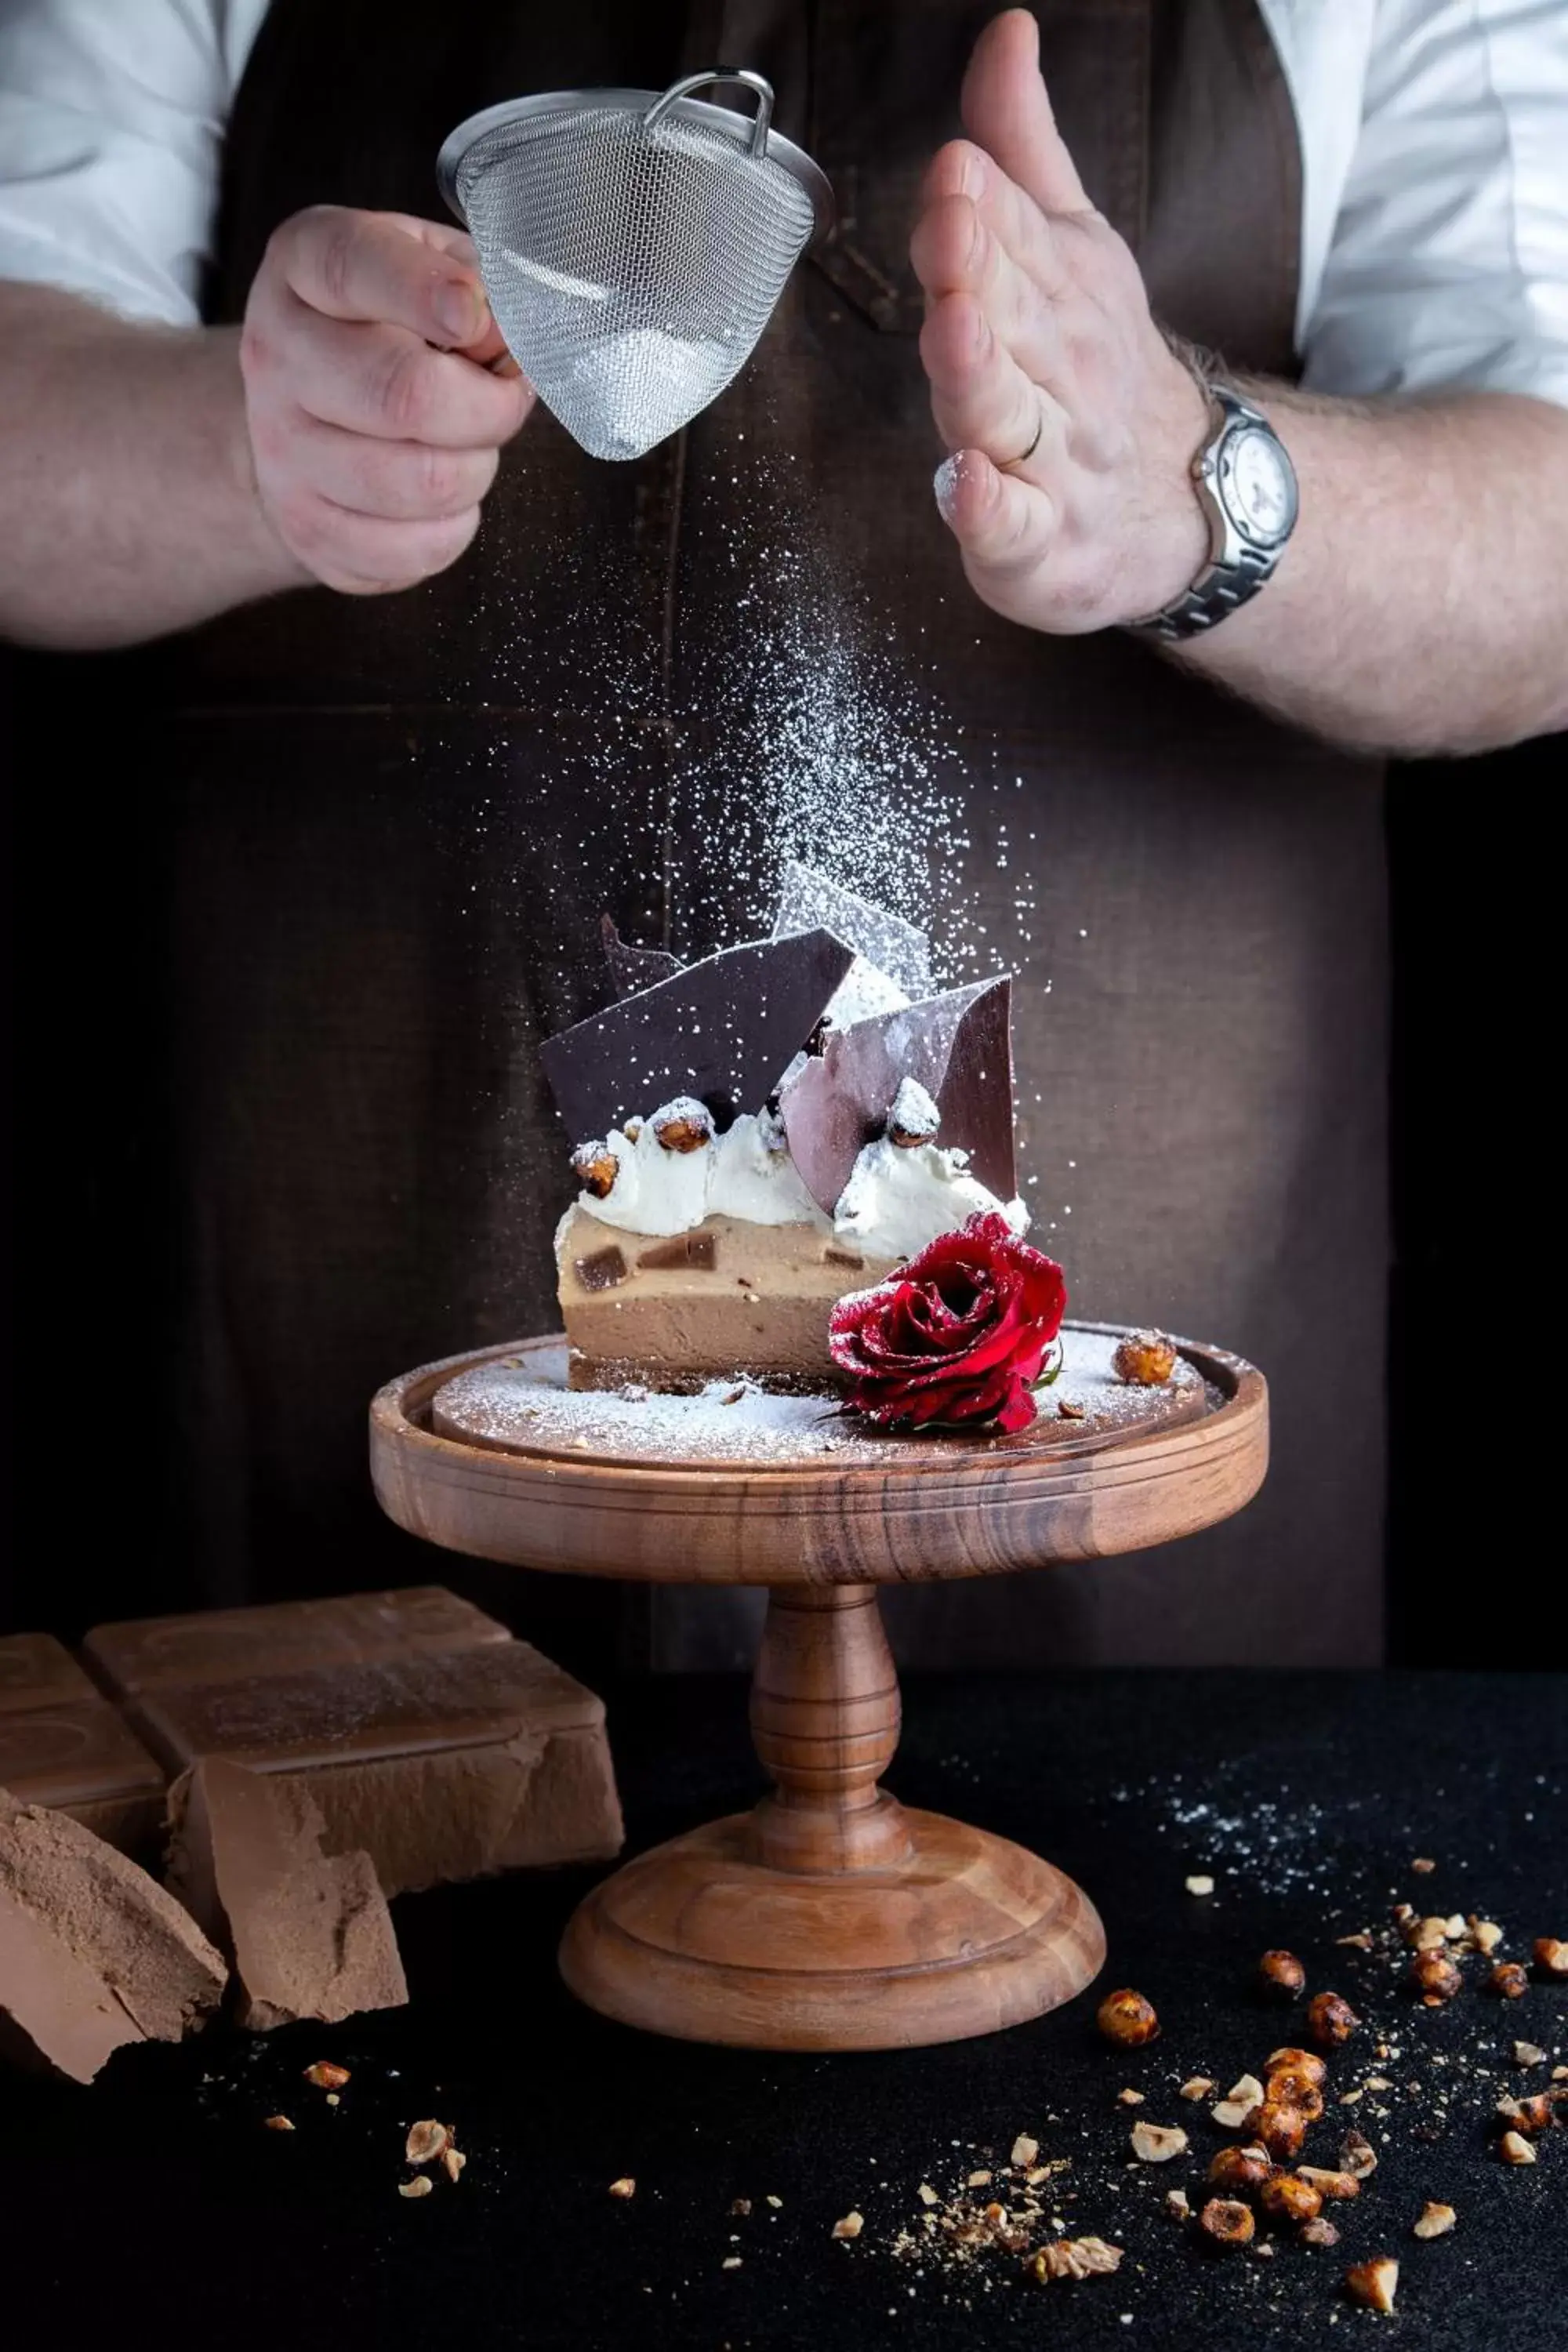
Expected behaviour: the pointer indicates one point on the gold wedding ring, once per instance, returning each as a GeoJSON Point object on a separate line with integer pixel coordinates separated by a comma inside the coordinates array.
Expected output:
{"type": "Point", "coordinates": [1007, 465]}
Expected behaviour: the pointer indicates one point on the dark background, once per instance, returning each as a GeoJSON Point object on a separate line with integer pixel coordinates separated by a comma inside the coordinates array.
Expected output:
{"type": "Point", "coordinates": [97, 1527]}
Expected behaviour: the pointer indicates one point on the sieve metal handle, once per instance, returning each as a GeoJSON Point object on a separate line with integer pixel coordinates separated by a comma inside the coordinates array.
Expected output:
{"type": "Point", "coordinates": [755, 82]}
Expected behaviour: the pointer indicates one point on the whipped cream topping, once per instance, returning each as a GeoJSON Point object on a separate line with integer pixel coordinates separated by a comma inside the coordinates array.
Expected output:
{"type": "Point", "coordinates": [744, 1173]}
{"type": "Point", "coordinates": [898, 1197]}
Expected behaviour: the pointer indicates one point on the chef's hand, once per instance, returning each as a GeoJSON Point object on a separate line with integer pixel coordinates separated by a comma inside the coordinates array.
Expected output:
{"type": "Point", "coordinates": [1038, 324]}
{"type": "Point", "coordinates": [378, 394]}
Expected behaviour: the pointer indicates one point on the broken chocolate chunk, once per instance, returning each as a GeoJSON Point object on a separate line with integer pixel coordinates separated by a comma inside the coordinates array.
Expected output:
{"type": "Point", "coordinates": [633, 969]}
{"type": "Point", "coordinates": [722, 1030]}
{"type": "Point", "coordinates": [601, 1269]}
{"type": "Point", "coordinates": [956, 1045]}
{"type": "Point", "coordinates": [698, 1250]}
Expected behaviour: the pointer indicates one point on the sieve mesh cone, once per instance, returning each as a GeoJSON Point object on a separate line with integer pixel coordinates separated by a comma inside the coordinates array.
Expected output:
{"type": "Point", "coordinates": [631, 263]}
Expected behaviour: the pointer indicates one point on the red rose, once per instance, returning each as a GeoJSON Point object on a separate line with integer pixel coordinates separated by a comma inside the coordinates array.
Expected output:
{"type": "Point", "coordinates": [959, 1334]}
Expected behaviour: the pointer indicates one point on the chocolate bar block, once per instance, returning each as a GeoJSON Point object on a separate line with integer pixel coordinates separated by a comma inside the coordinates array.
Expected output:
{"type": "Point", "coordinates": [286, 1637]}
{"type": "Point", "coordinates": [442, 1766]}
{"type": "Point", "coordinates": [63, 1744]}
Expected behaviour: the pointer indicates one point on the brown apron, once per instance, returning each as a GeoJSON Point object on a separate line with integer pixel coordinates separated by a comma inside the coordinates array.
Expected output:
{"type": "Point", "coordinates": [396, 822]}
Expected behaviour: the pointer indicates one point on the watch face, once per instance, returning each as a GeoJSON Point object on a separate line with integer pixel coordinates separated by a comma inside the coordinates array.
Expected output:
{"type": "Point", "coordinates": [1262, 485]}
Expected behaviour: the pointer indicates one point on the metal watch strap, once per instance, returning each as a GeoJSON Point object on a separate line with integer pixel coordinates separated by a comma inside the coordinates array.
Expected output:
{"type": "Point", "coordinates": [1220, 586]}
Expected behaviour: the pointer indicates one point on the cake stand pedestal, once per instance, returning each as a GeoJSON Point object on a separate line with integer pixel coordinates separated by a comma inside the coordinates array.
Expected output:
{"type": "Point", "coordinates": [828, 1917]}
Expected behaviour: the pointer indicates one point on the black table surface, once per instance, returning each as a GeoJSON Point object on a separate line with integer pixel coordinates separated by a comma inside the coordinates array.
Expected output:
{"type": "Point", "coordinates": [156, 2197]}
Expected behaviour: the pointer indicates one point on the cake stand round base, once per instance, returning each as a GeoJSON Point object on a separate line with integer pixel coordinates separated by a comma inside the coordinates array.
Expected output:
{"type": "Point", "coordinates": [964, 1934]}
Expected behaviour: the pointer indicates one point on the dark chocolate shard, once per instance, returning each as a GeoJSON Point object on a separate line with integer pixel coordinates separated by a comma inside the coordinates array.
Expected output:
{"type": "Point", "coordinates": [809, 901]}
{"type": "Point", "coordinates": [633, 969]}
{"type": "Point", "coordinates": [958, 1046]}
{"type": "Point", "coordinates": [694, 1249]}
{"type": "Point", "coordinates": [602, 1269]}
{"type": "Point", "coordinates": [724, 1030]}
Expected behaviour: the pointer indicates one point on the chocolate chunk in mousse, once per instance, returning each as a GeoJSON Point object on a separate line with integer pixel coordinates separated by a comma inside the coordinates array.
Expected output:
{"type": "Point", "coordinates": [93, 1953]}
{"type": "Point", "coordinates": [633, 969]}
{"type": "Point", "coordinates": [602, 1269]}
{"type": "Point", "coordinates": [441, 1765]}
{"type": "Point", "coordinates": [307, 1934]}
{"type": "Point", "coordinates": [696, 1249]}
{"type": "Point", "coordinates": [958, 1047]}
{"type": "Point", "coordinates": [723, 1030]}
{"type": "Point", "coordinates": [219, 1645]}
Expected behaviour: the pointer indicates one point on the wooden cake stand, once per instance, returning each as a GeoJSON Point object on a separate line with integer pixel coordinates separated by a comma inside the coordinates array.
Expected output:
{"type": "Point", "coordinates": [829, 1918]}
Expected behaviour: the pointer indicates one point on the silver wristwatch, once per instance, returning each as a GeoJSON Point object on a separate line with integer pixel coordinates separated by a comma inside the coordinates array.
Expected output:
{"type": "Point", "coordinates": [1247, 486]}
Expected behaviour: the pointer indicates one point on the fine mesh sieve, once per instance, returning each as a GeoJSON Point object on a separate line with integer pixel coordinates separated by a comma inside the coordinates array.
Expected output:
{"type": "Point", "coordinates": [632, 246]}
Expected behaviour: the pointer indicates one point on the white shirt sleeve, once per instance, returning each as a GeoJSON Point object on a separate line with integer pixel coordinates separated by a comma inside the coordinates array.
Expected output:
{"type": "Point", "coordinates": [1448, 264]}
{"type": "Point", "coordinates": [111, 116]}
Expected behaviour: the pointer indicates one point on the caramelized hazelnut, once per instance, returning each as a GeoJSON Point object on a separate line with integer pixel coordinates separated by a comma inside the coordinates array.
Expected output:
{"type": "Point", "coordinates": [1240, 2170]}
{"type": "Point", "coordinates": [595, 1167]}
{"type": "Point", "coordinates": [684, 1129]}
{"type": "Point", "coordinates": [1286, 2197]}
{"type": "Point", "coordinates": [1305, 2063]}
{"type": "Point", "coordinates": [1293, 2090]}
{"type": "Point", "coordinates": [1435, 1975]}
{"type": "Point", "coordinates": [1331, 2020]}
{"type": "Point", "coordinates": [1533, 2115]}
{"type": "Point", "coordinates": [1282, 1973]}
{"type": "Point", "coordinates": [1144, 1358]}
{"type": "Point", "coordinates": [1373, 2284]}
{"type": "Point", "coordinates": [1508, 1978]}
{"type": "Point", "coordinates": [1227, 2221]}
{"type": "Point", "coordinates": [1127, 2019]}
{"type": "Point", "coordinates": [1551, 1955]}
{"type": "Point", "coordinates": [1282, 2128]}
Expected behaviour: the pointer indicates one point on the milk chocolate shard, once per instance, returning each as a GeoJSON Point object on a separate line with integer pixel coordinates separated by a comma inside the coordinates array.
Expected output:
{"type": "Point", "coordinates": [307, 1934]}
{"type": "Point", "coordinates": [93, 1953]}
{"type": "Point", "coordinates": [63, 1744]}
{"type": "Point", "coordinates": [633, 969]}
{"type": "Point", "coordinates": [723, 1030]}
{"type": "Point", "coordinates": [958, 1047]}
{"type": "Point", "coordinates": [221, 1645]}
{"type": "Point", "coordinates": [810, 902]}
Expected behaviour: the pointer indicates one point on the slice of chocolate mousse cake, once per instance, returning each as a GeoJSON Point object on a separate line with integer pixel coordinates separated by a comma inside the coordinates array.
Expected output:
{"type": "Point", "coordinates": [762, 1132]}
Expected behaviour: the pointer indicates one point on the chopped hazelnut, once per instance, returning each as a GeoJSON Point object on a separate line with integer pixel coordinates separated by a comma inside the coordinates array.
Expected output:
{"type": "Point", "coordinates": [1533, 2116]}
{"type": "Point", "coordinates": [1357, 2154]}
{"type": "Point", "coordinates": [1130, 2099]}
{"type": "Point", "coordinates": [1286, 2197]}
{"type": "Point", "coordinates": [1282, 2128]}
{"type": "Point", "coordinates": [1299, 2061]}
{"type": "Point", "coordinates": [279, 2123]}
{"type": "Point", "coordinates": [731, 2262]}
{"type": "Point", "coordinates": [1435, 2220]}
{"type": "Point", "coordinates": [1176, 2204]}
{"type": "Point", "coordinates": [1023, 2151]}
{"type": "Point", "coordinates": [1074, 2258]}
{"type": "Point", "coordinates": [1551, 1955]}
{"type": "Point", "coordinates": [426, 2141]}
{"type": "Point", "coordinates": [1427, 1935]}
{"type": "Point", "coordinates": [1282, 1973]}
{"type": "Point", "coordinates": [1240, 2170]}
{"type": "Point", "coordinates": [1199, 1884]}
{"type": "Point", "coordinates": [1198, 2087]}
{"type": "Point", "coordinates": [978, 2181]}
{"type": "Point", "coordinates": [325, 2076]}
{"type": "Point", "coordinates": [685, 1126]}
{"type": "Point", "coordinates": [1334, 2187]}
{"type": "Point", "coordinates": [625, 2187]}
{"type": "Point", "coordinates": [927, 2194]}
{"type": "Point", "coordinates": [1068, 1411]}
{"type": "Point", "coordinates": [1373, 2284]}
{"type": "Point", "coordinates": [1331, 2020]}
{"type": "Point", "coordinates": [1158, 2143]}
{"type": "Point", "coordinates": [1484, 1934]}
{"type": "Point", "coordinates": [1227, 2221]}
{"type": "Point", "coordinates": [1321, 2232]}
{"type": "Point", "coordinates": [595, 1167]}
{"type": "Point", "coordinates": [1126, 2018]}
{"type": "Point", "coordinates": [1435, 1976]}
{"type": "Point", "coordinates": [1528, 2054]}
{"type": "Point", "coordinates": [1515, 2149]}
{"type": "Point", "coordinates": [851, 2226]}
{"type": "Point", "coordinates": [1507, 1979]}
{"type": "Point", "coordinates": [420, 2188]}
{"type": "Point", "coordinates": [452, 2162]}
{"type": "Point", "coordinates": [1423, 1864]}
{"type": "Point", "coordinates": [1144, 1358]}
{"type": "Point", "coordinates": [1239, 2103]}
{"type": "Point", "coordinates": [1361, 1939]}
